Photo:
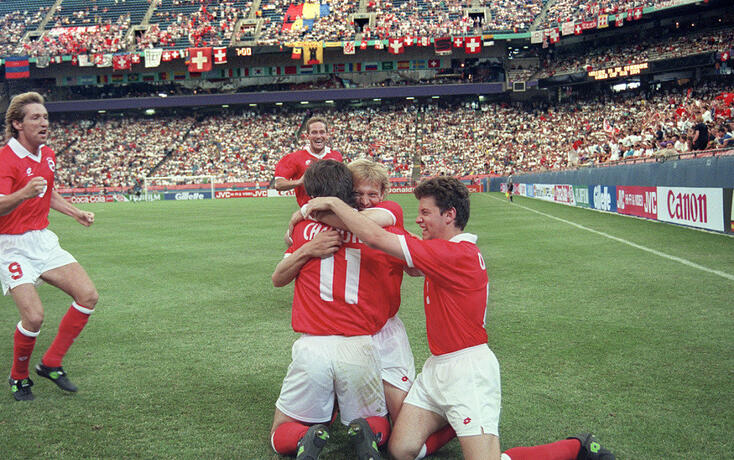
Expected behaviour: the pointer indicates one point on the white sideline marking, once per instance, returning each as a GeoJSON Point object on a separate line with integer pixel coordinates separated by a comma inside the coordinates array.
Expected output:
{"type": "Point", "coordinates": [629, 243]}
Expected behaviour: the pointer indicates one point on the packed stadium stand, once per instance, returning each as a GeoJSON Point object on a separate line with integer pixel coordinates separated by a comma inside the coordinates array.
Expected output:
{"type": "Point", "coordinates": [531, 98]}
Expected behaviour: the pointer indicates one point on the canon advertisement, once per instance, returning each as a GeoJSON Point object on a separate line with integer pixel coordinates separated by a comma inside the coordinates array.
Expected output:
{"type": "Point", "coordinates": [695, 207]}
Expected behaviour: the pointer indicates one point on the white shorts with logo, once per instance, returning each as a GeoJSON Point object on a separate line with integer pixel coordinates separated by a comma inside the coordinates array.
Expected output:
{"type": "Point", "coordinates": [324, 366]}
{"type": "Point", "coordinates": [464, 388]}
{"type": "Point", "coordinates": [396, 357]}
{"type": "Point", "coordinates": [25, 257]}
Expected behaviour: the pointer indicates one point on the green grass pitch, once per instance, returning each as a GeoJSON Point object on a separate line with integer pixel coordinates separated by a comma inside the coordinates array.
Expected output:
{"type": "Point", "coordinates": [185, 356]}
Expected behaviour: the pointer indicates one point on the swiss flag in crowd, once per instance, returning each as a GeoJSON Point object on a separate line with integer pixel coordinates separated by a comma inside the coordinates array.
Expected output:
{"type": "Point", "coordinates": [363, 45]}
{"type": "Point", "coordinates": [473, 45]}
{"type": "Point", "coordinates": [121, 62]}
{"type": "Point", "coordinates": [166, 56]}
{"type": "Point", "coordinates": [554, 35]}
{"type": "Point", "coordinates": [396, 46]}
{"type": "Point", "coordinates": [424, 41]}
{"type": "Point", "coordinates": [433, 63]}
{"type": "Point", "coordinates": [135, 58]}
{"type": "Point", "coordinates": [458, 42]}
{"type": "Point", "coordinates": [220, 55]}
{"type": "Point", "coordinates": [200, 59]}
{"type": "Point", "coordinates": [408, 41]}
{"type": "Point", "coordinates": [577, 29]}
{"type": "Point", "coordinates": [637, 14]}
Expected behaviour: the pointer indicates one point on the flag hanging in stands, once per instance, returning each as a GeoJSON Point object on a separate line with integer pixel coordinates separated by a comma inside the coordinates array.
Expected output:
{"type": "Point", "coordinates": [103, 60]}
{"type": "Point", "coordinates": [313, 53]}
{"type": "Point", "coordinates": [17, 67]}
{"type": "Point", "coordinates": [166, 56]}
{"type": "Point", "coordinates": [44, 61]}
{"type": "Point", "coordinates": [637, 13]}
{"type": "Point", "coordinates": [567, 28]}
{"type": "Point", "coordinates": [303, 16]}
{"type": "Point", "coordinates": [577, 29]}
{"type": "Point", "coordinates": [121, 61]}
{"type": "Point", "coordinates": [473, 45]}
{"type": "Point", "coordinates": [408, 41]}
{"type": "Point", "coordinates": [84, 61]}
{"type": "Point", "coordinates": [135, 58]}
{"type": "Point", "coordinates": [348, 47]}
{"type": "Point", "coordinates": [603, 21]}
{"type": "Point", "coordinates": [396, 46]}
{"type": "Point", "coordinates": [434, 63]}
{"type": "Point", "coordinates": [458, 42]}
{"type": "Point", "coordinates": [442, 45]}
{"type": "Point", "coordinates": [220, 55]}
{"type": "Point", "coordinates": [536, 36]}
{"type": "Point", "coordinates": [297, 53]}
{"type": "Point", "coordinates": [363, 45]}
{"type": "Point", "coordinates": [200, 59]}
{"type": "Point", "coordinates": [424, 41]}
{"type": "Point", "coordinates": [379, 45]}
{"type": "Point", "coordinates": [554, 36]}
{"type": "Point", "coordinates": [153, 57]}
{"type": "Point", "coordinates": [619, 20]}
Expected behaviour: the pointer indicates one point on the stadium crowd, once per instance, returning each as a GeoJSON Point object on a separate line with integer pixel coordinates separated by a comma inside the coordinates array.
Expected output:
{"type": "Point", "coordinates": [458, 139]}
{"type": "Point", "coordinates": [561, 11]}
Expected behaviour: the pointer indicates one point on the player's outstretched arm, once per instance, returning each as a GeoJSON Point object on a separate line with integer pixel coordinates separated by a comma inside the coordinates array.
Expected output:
{"type": "Point", "coordinates": [324, 244]}
{"type": "Point", "coordinates": [365, 229]}
{"type": "Point", "coordinates": [59, 204]}
{"type": "Point", "coordinates": [32, 189]}
{"type": "Point", "coordinates": [281, 184]}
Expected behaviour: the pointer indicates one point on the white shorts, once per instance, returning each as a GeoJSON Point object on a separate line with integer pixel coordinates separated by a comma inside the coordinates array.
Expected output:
{"type": "Point", "coordinates": [464, 388]}
{"type": "Point", "coordinates": [25, 257]}
{"type": "Point", "coordinates": [324, 366]}
{"type": "Point", "coordinates": [396, 357]}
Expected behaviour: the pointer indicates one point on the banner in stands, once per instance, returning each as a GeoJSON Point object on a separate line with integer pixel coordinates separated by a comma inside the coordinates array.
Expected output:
{"type": "Point", "coordinates": [581, 196]}
{"type": "Point", "coordinates": [692, 206]}
{"type": "Point", "coordinates": [603, 198]}
{"type": "Point", "coordinates": [226, 194]}
{"type": "Point", "coordinates": [178, 196]}
{"type": "Point", "coordinates": [637, 201]}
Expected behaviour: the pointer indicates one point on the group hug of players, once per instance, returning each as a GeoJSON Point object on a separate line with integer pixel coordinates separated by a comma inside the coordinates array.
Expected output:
{"type": "Point", "coordinates": [347, 253]}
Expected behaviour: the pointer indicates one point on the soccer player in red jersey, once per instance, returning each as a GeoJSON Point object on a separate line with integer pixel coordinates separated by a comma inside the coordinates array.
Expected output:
{"type": "Point", "coordinates": [460, 382]}
{"type": "Point", "coordinates": [290, 169]}
{"type": "Point", "coordinates": [337, 310]}
{"type": "Point", "coordinates": [30, 252]}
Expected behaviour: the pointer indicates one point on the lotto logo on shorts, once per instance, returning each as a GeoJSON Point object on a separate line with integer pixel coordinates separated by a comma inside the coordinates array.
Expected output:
{"type": "Point", "coordinates": [467, 421]}
{"type": "Point", "coordinates": [405, 378]}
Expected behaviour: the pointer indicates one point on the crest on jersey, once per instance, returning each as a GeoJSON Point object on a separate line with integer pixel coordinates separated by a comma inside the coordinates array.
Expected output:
{"type": "Point", "coordinates": [308, 162]}
{"type": "Point", "coordinates": [29, 172]}
{"type": "Point", "coordinates": [51, 164]}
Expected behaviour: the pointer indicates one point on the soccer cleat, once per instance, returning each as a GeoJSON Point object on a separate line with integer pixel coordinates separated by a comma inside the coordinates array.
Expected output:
{"type": "Point", "coordinates": [364, 440]}
{"type": "Point", "coordinates": [21, 389]}
{"type": "Point", "coordinates": [310, 445]}
{"type": "Point", "coordinates": [591, 449]}
{"type": "Point", "coordinates": [57, 376]}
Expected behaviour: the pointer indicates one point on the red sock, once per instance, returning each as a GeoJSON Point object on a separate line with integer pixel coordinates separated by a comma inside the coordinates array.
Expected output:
{"type": "Point", "coordinates": [71, 325]}
{"type": "Point", "coordinates": [568, 449]}
{"type": "Point", "coordinates": [286, 436]}
{"type": "Point", "coordinates": [381, 427]}
{"type": "Point", "coordinates": [439, 439]}
{"type": "Point", "coordinates": [23, 343]}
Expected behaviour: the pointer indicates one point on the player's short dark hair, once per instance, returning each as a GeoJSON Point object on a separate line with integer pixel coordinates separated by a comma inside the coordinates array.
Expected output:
{"type": "Point", "coordinates": [448, 192]}
{"type": "Point", "coordinates": [330, 178]}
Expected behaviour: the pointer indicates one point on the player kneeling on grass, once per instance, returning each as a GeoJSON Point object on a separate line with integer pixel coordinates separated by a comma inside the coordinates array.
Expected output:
{"type": "Point", "coordinates": [29, 251]}
{"type": "Point", "coordinates": [460, 381]}
{"type": "Point", "coordinates": [337, 309]}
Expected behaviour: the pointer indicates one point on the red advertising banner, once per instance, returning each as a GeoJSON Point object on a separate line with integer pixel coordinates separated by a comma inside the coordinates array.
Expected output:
{"type": "Point", "coordinates": [637, 201]}
{"type": "Point", "coordinates": [226, 194]}
{"type": "Point", "coordinates": [563, 194]}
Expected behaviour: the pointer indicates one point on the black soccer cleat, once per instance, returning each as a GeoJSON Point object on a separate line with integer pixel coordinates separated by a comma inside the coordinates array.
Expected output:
{"type": "Point", "coordinates": [364, 440]}
{"type": "Point", "coordinates": [57, 376]}
{"type": "Point", "coordinates": [310, 445]}
{"type": "Point", "coordinates": [21, 389]}
{"type": "Point", "coordinates": [591, 449]}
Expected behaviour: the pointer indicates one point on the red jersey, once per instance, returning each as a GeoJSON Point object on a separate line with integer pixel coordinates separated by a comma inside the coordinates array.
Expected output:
{"type": "Point", "coordinates": [341, 294]}
{"type": "Point", "coordinates": [393, 274]}
{"type": "Point", "coordinates": [17, 167]}
{"type": "Point", "coordinates": [294, 165]}
{"type": "Point", "coordinates": [455, 290]}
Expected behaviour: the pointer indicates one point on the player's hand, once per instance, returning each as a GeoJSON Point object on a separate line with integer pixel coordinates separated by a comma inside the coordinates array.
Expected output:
{"type": "Point", "coordinates": [34, 188]}
{"type": "Point", "coordinates": [85, 218]}
{"type": "Point", "coordinates": [324, 244]}
{"type": "Point", "coordinates": [323, 203]}
{"type": "Point", "coordinates": [295, 218]}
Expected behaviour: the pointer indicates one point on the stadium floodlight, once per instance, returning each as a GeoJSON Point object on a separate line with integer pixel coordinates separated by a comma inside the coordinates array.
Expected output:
{"type": "Point", "coordinates": [304, 102]}
{"type": "Point", "coordinates": [225, 106]}
{"type": "Point", "coordinates": [252, 105]}
{"type": "Point", "coordinates": [162, 95]}
{"type": "Point", "coordinates": [278, 103]}
{"type": "Point", "coordinates": [150, 111]}
{"type": "Point", "coordinates": [101, 111]}
{"type": "Point", "coordinates": [329, 101]}
{"type": "Point", "coordinates": [376, 99]}
{"type": "Point", "coordinates": [435, 97]}
{"type": "Point", "coordinates": [410, 98]}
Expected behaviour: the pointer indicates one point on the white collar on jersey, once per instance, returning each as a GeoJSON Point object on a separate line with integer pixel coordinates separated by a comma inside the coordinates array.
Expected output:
{"type": "Point", "coordinates": [22, 152]}
{"type": "Point", "coordinates": [470, 237]}
{"type": "Point", "coordinates": [323, 154]}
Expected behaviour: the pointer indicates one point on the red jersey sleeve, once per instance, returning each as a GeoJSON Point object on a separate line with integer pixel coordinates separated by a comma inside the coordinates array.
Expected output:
{"type": "Point", "coordinates": [285, 168]}
{"type": "Point", "coordinates": [395, 210]}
